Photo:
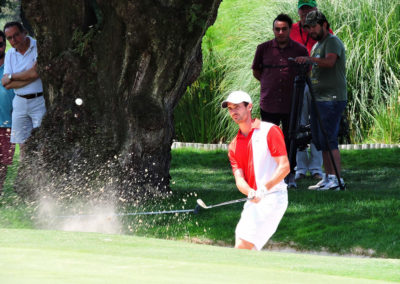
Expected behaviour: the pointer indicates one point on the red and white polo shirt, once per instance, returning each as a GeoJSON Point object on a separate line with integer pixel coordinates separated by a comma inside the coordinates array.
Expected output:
{"type": "Point", "coordinates": [254, 153]}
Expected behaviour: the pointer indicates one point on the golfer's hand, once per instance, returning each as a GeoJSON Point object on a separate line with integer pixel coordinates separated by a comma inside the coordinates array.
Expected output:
{"type": "Point", "coordinates": [261, 193]}
{"type": "Point", "coordinates": [252, 195]}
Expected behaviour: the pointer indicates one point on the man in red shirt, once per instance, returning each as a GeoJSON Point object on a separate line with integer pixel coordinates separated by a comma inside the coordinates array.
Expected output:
{"type": "Point", "coordinates": [259, 163]}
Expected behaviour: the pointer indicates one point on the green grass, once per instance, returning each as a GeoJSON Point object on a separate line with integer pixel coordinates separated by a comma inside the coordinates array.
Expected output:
{"type": "Point", "coordinates": [31, 256]}
{"type": "Point", "coordinates": [362, 220]}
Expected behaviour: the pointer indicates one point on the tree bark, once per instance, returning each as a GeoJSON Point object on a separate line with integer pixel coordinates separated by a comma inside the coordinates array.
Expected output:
{"type": "Point", "coordinates": [130, 62]}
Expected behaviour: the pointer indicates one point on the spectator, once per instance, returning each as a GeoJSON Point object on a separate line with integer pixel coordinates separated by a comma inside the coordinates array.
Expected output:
{"type": "Point", "coordinates": [6, 98]}
{"type": "Point", "coordinates": [270, 66]}
{"type": "Point", "coordinates": [328, 79]}
{"type": "Point", "coordinates": [306, 160]}
{"type": "Point", "coordinates": [21, 75]}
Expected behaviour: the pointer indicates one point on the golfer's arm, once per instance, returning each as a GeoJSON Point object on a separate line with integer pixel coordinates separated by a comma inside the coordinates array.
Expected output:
{"type": "Point", "coordinates": [241, 183]}
{"type": "Point", "coordinates": [328, 62]}
{"type": "Point", "coordinates": [280, 173]}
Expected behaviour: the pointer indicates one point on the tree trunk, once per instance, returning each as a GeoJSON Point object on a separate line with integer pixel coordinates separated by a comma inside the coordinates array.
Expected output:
{"type": "Point", "coordinates": [130, 62]}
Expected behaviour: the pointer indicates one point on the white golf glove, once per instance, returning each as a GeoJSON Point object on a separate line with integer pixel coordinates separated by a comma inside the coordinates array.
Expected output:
{"type": "Point", "coordinates": [251, 194]}
{"type": "Point", "coordinates": [261, 192]}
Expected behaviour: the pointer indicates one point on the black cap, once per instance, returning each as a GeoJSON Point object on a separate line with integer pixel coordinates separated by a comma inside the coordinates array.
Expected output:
{"type": "Point", "coordinates": [315, 17]}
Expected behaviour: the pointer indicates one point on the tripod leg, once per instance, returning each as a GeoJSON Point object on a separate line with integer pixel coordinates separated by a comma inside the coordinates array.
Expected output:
{"type": "Point", "coordinates": [297, 104]}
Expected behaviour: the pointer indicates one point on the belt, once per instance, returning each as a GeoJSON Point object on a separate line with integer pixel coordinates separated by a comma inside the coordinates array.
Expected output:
{"type": "Point", "coordinates": [31, 96]}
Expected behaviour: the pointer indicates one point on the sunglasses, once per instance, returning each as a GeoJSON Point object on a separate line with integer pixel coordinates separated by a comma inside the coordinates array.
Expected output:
{"type": "Point", "coordinates": [2, 44]}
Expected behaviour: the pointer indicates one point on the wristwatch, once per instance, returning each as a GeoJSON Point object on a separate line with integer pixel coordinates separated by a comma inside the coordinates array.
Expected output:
{"type": "Point", "coordinates": [10, 76]}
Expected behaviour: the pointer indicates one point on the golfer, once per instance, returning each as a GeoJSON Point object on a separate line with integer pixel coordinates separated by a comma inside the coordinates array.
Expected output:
{"type": "Point", "coordinates": [259, 163]}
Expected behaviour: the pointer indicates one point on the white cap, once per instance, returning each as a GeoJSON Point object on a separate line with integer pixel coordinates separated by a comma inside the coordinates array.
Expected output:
{"type": "Point", "coordinates": [236, 97]}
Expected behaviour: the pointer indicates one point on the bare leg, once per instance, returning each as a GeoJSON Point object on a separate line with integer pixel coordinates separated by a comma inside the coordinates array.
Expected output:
{"type": "Point", "coordinates": [21, 151]}
{"type": "Point", "coordinates": [329, 169]}
{"type": "Point", "coordinates": [242, 244]}
{"type": "Point", "coordinates": [3, 175]}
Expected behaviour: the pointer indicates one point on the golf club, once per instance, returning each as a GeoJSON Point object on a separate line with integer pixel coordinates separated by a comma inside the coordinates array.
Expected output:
{"type": "Point", "coordinates": [195, 210]}
{"type": "Point", "coordinates": [203, 205]}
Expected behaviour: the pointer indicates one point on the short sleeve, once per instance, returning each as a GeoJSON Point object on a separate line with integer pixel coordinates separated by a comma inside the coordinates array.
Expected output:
{"type": "Point", "coordinates": [7, 63]}
{"type": "Point", "coordinates": [276, 142]}
{"type": "Point", "coordinates": [333, 46]}
{"type": "Point", "coordinates": [232, 157]}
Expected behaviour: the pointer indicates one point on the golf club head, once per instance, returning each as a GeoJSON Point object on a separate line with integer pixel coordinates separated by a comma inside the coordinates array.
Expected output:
{"type": "Point", "coordinates": [201, 204]}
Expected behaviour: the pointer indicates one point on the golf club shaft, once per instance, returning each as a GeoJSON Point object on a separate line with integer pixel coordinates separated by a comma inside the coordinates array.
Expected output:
{"type": "Point", "coordinates": [128, 214]}
{"type": "Point", "coordinates": [229, 202]}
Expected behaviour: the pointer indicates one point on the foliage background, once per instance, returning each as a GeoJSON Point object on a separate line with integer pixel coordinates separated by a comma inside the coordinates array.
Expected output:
{"type": "Point", "coordinates": [9, 11]}
{"type": "Point", "coordinates": [369, 30]}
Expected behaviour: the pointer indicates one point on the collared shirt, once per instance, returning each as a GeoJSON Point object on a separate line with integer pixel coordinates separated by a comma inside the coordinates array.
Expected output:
{"type": "Point", "coordinates": [254, 154]}
{"type": "Point", "coordinates": [6, 98]}
{"type": "Point", "coordinates": [16, 62]}
{"type": "Point", "coordinates": [277, 78]}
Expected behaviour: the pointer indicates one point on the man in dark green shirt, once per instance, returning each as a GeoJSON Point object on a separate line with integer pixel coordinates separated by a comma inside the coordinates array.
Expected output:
{"type": "Point", "coordinates": [328, 79]}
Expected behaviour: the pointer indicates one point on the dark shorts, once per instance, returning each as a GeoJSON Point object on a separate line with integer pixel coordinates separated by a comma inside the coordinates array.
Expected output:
{"type": "Point", "coordinates": [6, 147]}
{"type": "Point", "coordinates": [331, 113]}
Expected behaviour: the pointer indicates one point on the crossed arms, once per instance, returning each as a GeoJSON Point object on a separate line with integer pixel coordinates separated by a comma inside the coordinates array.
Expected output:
{"type": "Point", "coordinates": [20, 79]}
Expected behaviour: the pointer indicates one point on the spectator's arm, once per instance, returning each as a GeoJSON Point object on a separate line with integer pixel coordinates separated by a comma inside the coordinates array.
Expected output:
{"type": "Point", "coordinates": [328, 62]}
{"type": "Point", "coordinates": [257, 74]}
{"type": "Point", "coordinates": [20, 79]}
{"type": "Point", "coordinates": [16, 84]}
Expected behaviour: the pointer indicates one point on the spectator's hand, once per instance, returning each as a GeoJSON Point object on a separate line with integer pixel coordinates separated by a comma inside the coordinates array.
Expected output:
{"type": "Point", "coordinates": [5, 81]}
{"type": "Point", "coordinates": [302, 59]}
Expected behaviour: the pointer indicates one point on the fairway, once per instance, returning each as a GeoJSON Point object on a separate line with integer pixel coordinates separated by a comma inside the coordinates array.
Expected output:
{"type": "Point", "coordinates": [35, 256]}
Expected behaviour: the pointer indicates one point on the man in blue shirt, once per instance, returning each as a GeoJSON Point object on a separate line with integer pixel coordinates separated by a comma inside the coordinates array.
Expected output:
{"type": "Point", "coordinates": [6, 98]}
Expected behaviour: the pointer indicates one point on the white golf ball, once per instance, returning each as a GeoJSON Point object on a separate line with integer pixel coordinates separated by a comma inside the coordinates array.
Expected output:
{"type": "Point", "coordinates": [78, 101]}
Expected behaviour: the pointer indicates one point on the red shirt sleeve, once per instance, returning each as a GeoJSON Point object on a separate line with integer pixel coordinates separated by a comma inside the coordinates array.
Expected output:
{"type": "Point", "coordinates": [232, 157]}
{"type": "Point", "coordinates": [276, 142]}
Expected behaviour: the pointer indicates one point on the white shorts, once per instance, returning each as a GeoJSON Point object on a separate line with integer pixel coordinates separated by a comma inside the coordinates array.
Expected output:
{"type": "Point", "coordinates": [259, 221]}
{"type": "Point", "coordinates": [27, 114]}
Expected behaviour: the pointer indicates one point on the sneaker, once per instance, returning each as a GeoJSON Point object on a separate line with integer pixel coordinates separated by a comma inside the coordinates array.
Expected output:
{"type": "Point", "coordinates": [343, 185]}
{"type": "Point", "coordinates": [291, 183]}
{"type": "Point", "coordinates": [332, 184]}
{"type": "Point", "coordinates": [299, 176]}
{"type": "Point", "coordinates": [320, 184]}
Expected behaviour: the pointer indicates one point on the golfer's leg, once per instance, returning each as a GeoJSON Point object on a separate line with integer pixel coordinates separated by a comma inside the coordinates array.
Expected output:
{"type": "Point", "coordinates": [242, 244]}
